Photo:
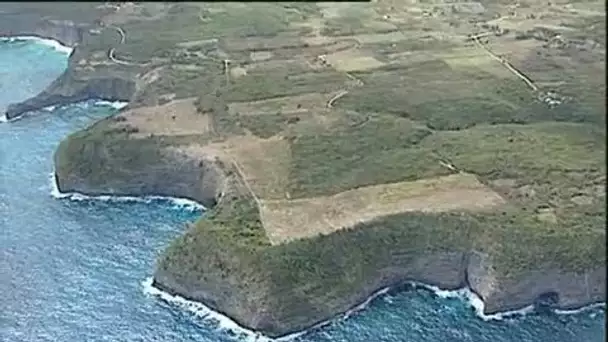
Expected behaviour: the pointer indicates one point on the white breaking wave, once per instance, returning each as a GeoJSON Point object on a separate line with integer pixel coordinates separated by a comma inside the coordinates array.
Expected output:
{"type": "Point", "coordinates": [181, 203]}
{"type": "Point", "coordinates": [200, 310]}
{"type": "Point", "coordinates": [57, 46]}
{"type": "Point", "coordinates": [477, 303]}
{"type": "Point", "coordinates": [226, 324]}
{"type": "Point", "coordinates": [577, 311]}
{"type": "Point", "coordinates": [364, 305]}
{"type": "Point", "coordinates": [83, 105]}
{"type": "Point", "coordinates": [113, 104]}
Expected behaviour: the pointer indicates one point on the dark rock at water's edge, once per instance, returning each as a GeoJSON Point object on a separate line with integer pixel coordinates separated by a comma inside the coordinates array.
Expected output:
{"type": "Point", "coordinates": [66, 90]}
{"type": "Point", "coordinates": [156, 171]}
{"type": "Point", "coordinates": [566, 290]}
{"type": "Point", "coordinates": [72, 86]}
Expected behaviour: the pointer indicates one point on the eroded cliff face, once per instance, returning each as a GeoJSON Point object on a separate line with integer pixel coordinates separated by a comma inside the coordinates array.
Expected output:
{"type": "Point", "coordinates": [249, 284]}
{"type": "Point", "coordinates": [69, 88]}
{"type": "Point", "coordinates": [255, 305]}
{"type": "Point", "coordinates": [134, 168]}
{"type": "Point", "coordinates": [549, 286]}
{"type": "Point", "coordinates": [75, 84]}
{"type": "Point", "coordinates": [263, 303]}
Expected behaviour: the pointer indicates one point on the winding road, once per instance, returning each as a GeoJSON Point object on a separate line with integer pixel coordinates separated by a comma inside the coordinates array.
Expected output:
{"type": "Point", "coordinates": [111, 51]}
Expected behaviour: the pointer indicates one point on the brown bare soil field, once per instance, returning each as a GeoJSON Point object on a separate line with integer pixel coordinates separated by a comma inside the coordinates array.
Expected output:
{"type": "Point", "coordinates": [177, 117]}
{"type": "Point", "coordinates": [286, 220]}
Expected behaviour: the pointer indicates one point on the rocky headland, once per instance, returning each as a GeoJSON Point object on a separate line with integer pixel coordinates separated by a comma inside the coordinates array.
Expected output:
{"type": "Point", "coordinates": [76, 84]}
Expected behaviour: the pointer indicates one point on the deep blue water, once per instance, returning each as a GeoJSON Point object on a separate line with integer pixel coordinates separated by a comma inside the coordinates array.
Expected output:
{"type": "Point", "coordinates": [73, 270]}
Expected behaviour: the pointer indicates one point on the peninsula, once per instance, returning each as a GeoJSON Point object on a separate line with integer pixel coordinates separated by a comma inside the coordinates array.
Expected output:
{"type": "Point", "coordinates": [345, 147]}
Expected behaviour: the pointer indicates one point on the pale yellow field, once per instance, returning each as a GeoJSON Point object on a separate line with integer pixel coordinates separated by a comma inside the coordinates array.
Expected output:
{"type": "Point", "coordinates": [353, 60]}
{"type": "Point", "coordinates": [286, 220]}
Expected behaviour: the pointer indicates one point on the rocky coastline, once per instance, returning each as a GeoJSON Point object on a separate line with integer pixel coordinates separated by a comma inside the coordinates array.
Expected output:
{"type": "Point", "coordinates": [253, 307]}
{"type": "Point", "coordinates": [72, 86]}
{"type": "Point", "coordinates": [550, 289]}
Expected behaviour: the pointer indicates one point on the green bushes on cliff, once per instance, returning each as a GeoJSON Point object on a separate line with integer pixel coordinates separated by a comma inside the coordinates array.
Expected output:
{"type": "Point", "coordinates": [84, 153]}
{"type": "Point", "coordinates": [315, 277]}
{"type": "Point", "coordinates": [515, 240]}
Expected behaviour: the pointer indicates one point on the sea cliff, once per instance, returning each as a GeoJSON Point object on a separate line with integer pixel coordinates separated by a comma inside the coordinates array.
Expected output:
{"type": "Point", "coordinates": [76, 83]}
{"type": "Point", "coordinates": [71, 88]}
{"type": "Point", "coordinates": [225, 261]}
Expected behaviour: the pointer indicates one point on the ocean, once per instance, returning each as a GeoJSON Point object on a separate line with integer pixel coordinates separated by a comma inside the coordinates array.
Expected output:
{"type": "Point", "coordinates": [77, 269]}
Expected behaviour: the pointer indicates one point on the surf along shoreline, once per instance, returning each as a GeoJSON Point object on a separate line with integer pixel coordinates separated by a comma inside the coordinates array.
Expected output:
{"type": "Point", "coordinates": [64, 36]}
{"type": "Point", "coordinates": [50, 42]}
{"type": "Point", "coordinates": [224, 322]}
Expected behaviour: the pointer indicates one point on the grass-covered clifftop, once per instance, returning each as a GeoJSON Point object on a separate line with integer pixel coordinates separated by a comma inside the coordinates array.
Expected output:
{"type": "Point", "coordinates": [289, 287]}
{"type": "Point", "coordinates": [348, 147]}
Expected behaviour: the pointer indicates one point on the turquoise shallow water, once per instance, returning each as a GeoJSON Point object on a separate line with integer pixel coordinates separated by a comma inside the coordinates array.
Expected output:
{"type": "Point", "coordinates": [73, 270]}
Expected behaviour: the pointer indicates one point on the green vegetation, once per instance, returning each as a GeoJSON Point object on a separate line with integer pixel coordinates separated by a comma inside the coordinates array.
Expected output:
{"type": "Point", "coordinates": [352, 154]}
{"type": "Point", "coordinates": [83, 11]}
{"type": "Point", "coordinates": [257, 86]}
{"type": "Point", "coordinates": [265, 125]}
{"type": "Point", "coordinates": [82, 153]}
{"type": "Point", "coordinates": [189, 22]}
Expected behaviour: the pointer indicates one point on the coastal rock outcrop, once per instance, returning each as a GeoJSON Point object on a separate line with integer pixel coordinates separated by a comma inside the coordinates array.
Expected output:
{"type": "Point", "coordinates": [70, 88]}
{"type": "Point", "coordinates": [89, 164]}
{"type": "Point", "coordinates": [74, 85]}
{"type": "Point", "coordinates": [259, 301]}
{"type": "Point", "coordinates": [228, 264]}
{"type": "Point", "coordinates": [259, 287]}
{"type": "Point", "coordinates": [446, 270]}
{"type": "Point", "coordinates": [502, 292]}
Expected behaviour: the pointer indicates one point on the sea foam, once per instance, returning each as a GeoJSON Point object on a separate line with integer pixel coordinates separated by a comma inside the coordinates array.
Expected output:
{"type": "Point", "coordinates": [226, 324]}
{"type": "Point", "coordinates": [178, 203]}
{"type": "Point", "coordinates": [113, 104]}
{"type": "Point", "coordinates": [470, 297]}
{"type": "Point", "coordinates": [57, 46]}
{"type": "Point", "coordinates": [222, 322]}
{"type": "Point", "coordinates": [478, 305]}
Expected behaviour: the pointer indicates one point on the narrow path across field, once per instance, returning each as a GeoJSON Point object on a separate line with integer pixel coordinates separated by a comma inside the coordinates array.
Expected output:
{"type": "Point", "coordinates": [503, 61]}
